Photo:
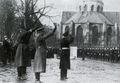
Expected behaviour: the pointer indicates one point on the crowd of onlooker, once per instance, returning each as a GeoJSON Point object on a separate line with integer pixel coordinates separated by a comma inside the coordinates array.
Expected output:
{"type": "Point", "coordinates": [8, 51]}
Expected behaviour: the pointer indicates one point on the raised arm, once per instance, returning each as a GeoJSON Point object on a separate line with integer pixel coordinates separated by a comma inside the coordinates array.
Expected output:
{"type": "Point", "coordinates": [32, 30]}
{"type": "Point", "coordinates": [52, 33]}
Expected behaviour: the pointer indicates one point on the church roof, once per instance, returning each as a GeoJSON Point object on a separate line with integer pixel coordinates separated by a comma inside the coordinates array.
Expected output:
{"type": "Point", "coordinates": [113, 16]}
{"type": "Point", "coordinates": [93, 17]}
{"type": "Point", "coordinates": [67, 15]}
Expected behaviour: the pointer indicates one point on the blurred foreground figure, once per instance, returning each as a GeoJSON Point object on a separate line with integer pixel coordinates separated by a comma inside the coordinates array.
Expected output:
{"type": "Point", "coordinates": [66, 40]}
{"type": "Point", "coordinates": [6, 51]}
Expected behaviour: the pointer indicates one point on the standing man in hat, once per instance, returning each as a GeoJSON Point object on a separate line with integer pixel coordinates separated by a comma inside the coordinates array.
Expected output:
{"type": "Point", "coordinates": [41, 52]}
{"type": "Point", "coordinates": [83, 53]}
{"type": "Point", "coordinates": [66, 40]}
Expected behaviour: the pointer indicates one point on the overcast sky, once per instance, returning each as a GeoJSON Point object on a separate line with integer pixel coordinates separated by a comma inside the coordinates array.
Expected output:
{"type": "Point", "coordinates": [72, 5]}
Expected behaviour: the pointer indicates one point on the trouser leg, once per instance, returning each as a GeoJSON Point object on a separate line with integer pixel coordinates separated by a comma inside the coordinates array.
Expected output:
{"type": "Point", "coordinates": [37, 76]}
{"type": "Point", "coordinates": [24, 70]}
{"type": "Point", "coordinates": [83, 58]}
{"type": "Point", "coordinates": [4, 59]}
{"type": "Point", "coordinates": [65, 73]}
{"type": "Point", "coordinates": [62, 74]}
{"type": "Point", "coordinates": [19, 71]}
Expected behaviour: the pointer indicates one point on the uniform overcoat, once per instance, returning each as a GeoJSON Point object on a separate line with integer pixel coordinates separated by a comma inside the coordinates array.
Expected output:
{"type": "Point", "coordinates": [23, 57]}
{"type": "Point", "coordinates": [65, 53]}
{"type": "Point", "coordinates": [41, 54]}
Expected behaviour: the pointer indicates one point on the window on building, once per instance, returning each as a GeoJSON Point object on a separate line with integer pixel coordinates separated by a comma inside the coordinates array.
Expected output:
{"type": "Point", "coordinates": [98, 9]}
{"type": "Point", "coordinates": [92, 8]}
{"type": "Point", "coordinates": [66, 28]}
{"type": "Point", "coordinates": [95, 35]}
{"type": "Point", "coordinates": [85, 8]}
{"type": "Point", "coordinates": [79, 36]}
{"type": "Point", "coordinates": [101, 9]}
{"type": "Point", "coordinates": [109, 35]}
{"type": "Point", "coordinates": [73, 30]}
{"type": "Point", "coordinates": [80, 8]}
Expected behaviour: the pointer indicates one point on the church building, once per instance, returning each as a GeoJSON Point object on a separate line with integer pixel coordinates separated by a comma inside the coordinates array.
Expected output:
{"type": "Point", "coordinates": [91, 26]}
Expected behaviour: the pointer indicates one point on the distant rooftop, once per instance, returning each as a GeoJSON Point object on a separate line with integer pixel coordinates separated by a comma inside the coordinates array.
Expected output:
{"type": "Point", "coordinates": [110, 17]}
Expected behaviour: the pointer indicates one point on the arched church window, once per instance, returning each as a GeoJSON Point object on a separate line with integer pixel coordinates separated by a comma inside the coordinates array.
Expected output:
{"type": "Point", "coordinates": [98, 8]}
{"type": "Point", "coordinates": [92, 7]}
{"type": "Point", "coordinates": [109, 35]}
{"type": "Point", "coordinates": [101, 9]}
{"type": "Point", "coordinates": [85, 8]}
{"type": "Point", "coordinates": [66, 28]}
{"type": "Point", "coordinates": [73, 30]}
{"type": "Point", "coordinates": [79, 36]}
{"type": "Point", "coordinates": [80, 8]}
{"type": "Point", "coordinates": [95, 35]}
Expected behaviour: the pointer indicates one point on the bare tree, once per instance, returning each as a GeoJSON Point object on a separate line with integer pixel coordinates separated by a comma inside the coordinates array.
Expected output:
{"type": "Point", "coordinates": [29, 12]}
{"type": "Point", "coordinates": [28, 15]}
{"type": "Point", "coordinates": [7, 16]}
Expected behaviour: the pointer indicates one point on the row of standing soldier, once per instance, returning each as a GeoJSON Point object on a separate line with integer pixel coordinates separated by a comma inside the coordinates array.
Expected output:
{"type": "Point", "coordinates": [107, 54]}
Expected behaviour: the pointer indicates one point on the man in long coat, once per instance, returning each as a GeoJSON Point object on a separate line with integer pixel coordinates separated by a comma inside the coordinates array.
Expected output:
{"type": "Point", "coordinates": [65, 54]}
{"type": "Point", "coordinates": [23, 58]}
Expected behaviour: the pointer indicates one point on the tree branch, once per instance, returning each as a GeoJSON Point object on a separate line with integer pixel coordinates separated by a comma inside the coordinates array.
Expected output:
{"type": "Point", "coordinates": [35, 3]}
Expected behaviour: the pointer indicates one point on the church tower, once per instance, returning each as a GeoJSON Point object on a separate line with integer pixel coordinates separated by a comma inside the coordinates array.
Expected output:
{"type": "Point", "coordinates": [91, 5]}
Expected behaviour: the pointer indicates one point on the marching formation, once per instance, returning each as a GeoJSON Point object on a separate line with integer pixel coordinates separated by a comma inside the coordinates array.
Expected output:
{"type": "Point", "coordinates": [107, 54]}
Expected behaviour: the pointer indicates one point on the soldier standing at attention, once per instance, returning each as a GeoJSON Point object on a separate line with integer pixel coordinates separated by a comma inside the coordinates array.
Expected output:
{"type": "Point", "coordinates": [83, 54]}
{"type": "Point", "coordinates": [66, 40]}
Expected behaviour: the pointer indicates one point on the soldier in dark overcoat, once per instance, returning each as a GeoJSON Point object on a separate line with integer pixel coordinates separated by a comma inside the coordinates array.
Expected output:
{"type": "Point", "coordinates": [65, 54]}
{"type": "Point", "coordinates": [116, 54]}
{"type": "Point", "coordinates": [113, 53]}
{"type": "Point", "coordinates": [6, 51]}
{"type": "Point", "coordinates": [83, 54]}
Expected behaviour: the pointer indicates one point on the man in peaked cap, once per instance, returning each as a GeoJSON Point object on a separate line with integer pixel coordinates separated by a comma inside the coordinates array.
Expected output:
{"type": "Point", "coordinates": [66, 40]}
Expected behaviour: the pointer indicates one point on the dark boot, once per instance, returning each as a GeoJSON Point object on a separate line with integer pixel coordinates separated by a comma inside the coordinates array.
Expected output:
{"type": "Point", "coordinates": [66, 74]}
{"type": "Point", "coordinates": [19, 73]}
{"type": "Point", "coordinates": [62, 74]}
{"type": "Point", "coordinates": [24, 74]}
{"type": "Point", "coordinates": [37, 76]}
